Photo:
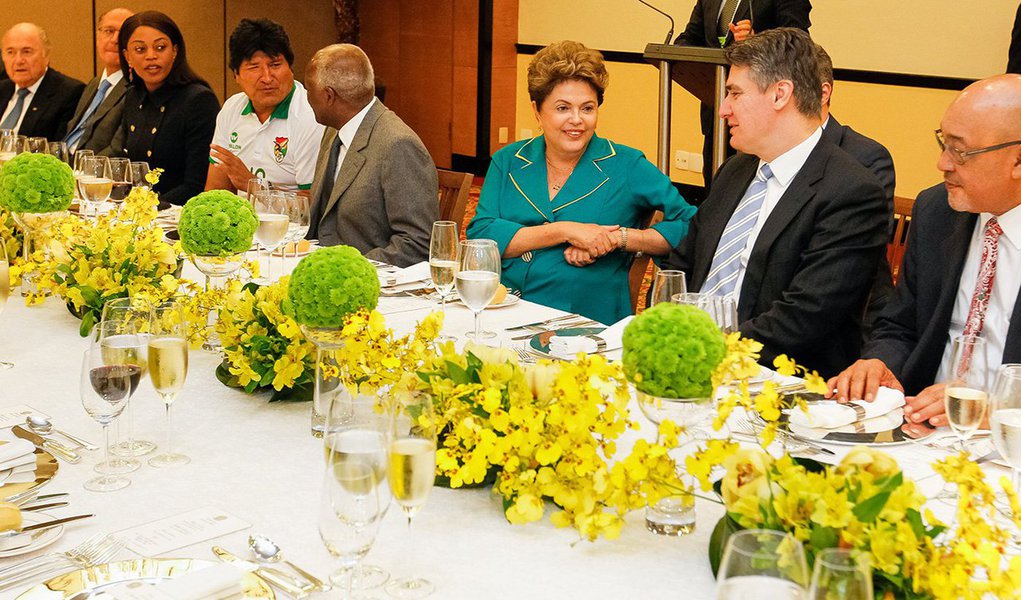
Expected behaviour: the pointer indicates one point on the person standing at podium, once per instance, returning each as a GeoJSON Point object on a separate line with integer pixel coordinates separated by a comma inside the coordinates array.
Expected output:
{"type": "Point", "coordinates": [719, 23]}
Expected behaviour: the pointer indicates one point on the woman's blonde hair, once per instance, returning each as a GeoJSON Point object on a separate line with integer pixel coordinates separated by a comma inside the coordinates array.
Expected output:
{"type": "Point", "coordinates": [565, 61]}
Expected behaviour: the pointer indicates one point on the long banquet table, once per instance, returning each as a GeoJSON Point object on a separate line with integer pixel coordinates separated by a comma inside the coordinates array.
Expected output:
{"type": "Point", "coordinates": [257, 461]}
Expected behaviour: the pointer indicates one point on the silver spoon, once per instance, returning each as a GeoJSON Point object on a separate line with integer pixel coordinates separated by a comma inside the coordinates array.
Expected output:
{"type": "Point", "coordinates": [42, 425]}
{"type": "Point", "coordinates": [266, 550]}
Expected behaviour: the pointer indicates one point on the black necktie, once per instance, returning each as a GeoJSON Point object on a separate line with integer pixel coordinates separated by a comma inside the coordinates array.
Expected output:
{"type": "Point", "coordinates": [329, 178]}
{"type": "Point", "coordinates": [727, 16]}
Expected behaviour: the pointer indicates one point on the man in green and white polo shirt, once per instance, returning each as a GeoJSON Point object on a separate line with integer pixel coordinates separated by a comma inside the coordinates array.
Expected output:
{"type": "Point", "coordinates": [268, 129]}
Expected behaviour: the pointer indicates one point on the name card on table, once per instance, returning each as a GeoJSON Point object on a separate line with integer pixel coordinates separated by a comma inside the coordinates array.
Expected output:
{"type": "Point", "coordinates": [15, 415]}
{"type": "Point", "coordinates": [185, 529]}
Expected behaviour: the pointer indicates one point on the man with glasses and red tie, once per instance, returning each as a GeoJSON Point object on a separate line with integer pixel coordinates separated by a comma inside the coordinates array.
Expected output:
{"type": "Point", "coordinates": [99, 111]}
{"type": "Point", "coordinates": [962, 268]}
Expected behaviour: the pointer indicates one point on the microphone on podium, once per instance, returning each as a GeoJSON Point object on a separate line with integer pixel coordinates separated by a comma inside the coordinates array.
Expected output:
{"type": "Point", "coordinates": [670, 34]}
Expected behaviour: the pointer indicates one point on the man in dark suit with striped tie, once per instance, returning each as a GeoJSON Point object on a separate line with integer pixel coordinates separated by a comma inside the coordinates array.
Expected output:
{"type": "Point", "coordinates": [794, 227]}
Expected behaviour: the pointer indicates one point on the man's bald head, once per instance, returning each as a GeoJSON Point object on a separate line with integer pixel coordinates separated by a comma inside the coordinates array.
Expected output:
{"type": "Point", "coordinates": [340, 83]}
{"type": "Point", "coordinates": [108, 28]}
{"type": "Point", "coordinates": [26, 53]}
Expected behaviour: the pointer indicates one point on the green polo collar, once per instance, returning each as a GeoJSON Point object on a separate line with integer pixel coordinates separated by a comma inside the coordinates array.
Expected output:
{"type": "Point", "coordinates": [280, 112]}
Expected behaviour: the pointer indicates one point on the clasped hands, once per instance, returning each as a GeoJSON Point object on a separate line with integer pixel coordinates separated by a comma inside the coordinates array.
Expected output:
{"type": "Point", "coordinates": [862, 380]}
{"type": "Point", "coordinates": [589, 241]}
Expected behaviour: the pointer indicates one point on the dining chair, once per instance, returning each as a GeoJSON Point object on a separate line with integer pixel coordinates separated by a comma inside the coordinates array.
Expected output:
{"type": "Point", "coordinates": [901, 225]}
{"type": "Point", "coordinates": [453, 194]}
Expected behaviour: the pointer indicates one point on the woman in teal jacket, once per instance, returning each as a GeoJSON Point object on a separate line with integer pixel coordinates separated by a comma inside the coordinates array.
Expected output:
{"type": "Point", "coordinates": [563, 206]}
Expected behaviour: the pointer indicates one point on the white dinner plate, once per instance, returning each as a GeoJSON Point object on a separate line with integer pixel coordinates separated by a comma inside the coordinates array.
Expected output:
{"type": "Point", "coordinates": [38, 540]}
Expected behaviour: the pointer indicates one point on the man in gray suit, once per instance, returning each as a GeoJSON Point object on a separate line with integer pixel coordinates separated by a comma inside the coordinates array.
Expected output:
{"type": "Point", "coordinates": [99, 111]}
{"type": "Point", "coordinates": [375, 184]}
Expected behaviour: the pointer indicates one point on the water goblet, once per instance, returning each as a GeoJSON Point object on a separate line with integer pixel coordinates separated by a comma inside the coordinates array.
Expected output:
{"type": "Point", "coordinates": [762, 563]}
{"type": "Point", "coordinates": [349, 516]}
{"type": "Point", "coordinates": [104, 390]}
{"type": "Point", "coordinates": [168, 367]}
{"type": "Point", "coordinates": [477, 278]}
{"type": "Point", "coordinates": [443, 263]}
{"type": "Point", "coordinates": [272, 209]}
{"type": "Point", "coordinates": [668, 283]}
{"type": "Point", "coordinates": [840, 574]}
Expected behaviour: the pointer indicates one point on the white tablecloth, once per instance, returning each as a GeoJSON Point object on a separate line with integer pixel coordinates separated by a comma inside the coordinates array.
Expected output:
{"type": "Point", "coordinates": [258, 461]}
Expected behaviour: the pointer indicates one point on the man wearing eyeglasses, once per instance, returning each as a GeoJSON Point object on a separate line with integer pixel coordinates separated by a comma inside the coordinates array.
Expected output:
{"type": "Point", "coordinates": [37, 101]}
{"type": "Point", "coordinates": [98, 114]}
{"type": "Point", "coordinates": [962, 268]}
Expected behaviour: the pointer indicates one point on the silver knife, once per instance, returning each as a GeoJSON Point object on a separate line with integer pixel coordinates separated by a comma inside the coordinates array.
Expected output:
{"type": "Point", "coordinates": [541, 323]}
{"type": "Point", "coordinates": [55, 447]}
{"type": "Point", "coordinates": [45, 525]}
{"type": "Point", "coordinates": [278, 578]}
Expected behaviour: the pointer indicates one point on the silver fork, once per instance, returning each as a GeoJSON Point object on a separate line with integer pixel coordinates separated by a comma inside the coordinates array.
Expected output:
{"type": "Point", "coordinates": [525, 355]}
{"type": "Point", "coordinates": [98, 549]}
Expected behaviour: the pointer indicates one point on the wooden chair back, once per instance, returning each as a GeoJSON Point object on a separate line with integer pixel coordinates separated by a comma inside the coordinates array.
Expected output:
{"type": "Point", "coordinates": [901, 227]}
{"type": "Point", "coordinates": [453, 194]}
{"type": "Point", "coordinates": [640, 275]}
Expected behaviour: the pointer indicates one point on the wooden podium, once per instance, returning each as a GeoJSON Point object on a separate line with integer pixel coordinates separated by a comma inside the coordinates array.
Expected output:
{"type": "Point", "coordinates": [700, 71]}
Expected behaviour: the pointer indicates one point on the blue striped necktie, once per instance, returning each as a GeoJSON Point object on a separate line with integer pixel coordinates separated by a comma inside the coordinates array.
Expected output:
{"type": "Point", "coordinates": [722, 278]}
{"type": "Point", "coordinates": [19, 105]}
{"type": "Point", "coordinates": [79, 129]}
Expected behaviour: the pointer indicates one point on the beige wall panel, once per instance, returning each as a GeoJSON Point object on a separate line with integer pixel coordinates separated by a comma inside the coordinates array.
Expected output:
{"type": "Point", "coordinates": [309, 26]}
{"type": "Point", "coordinates": [69, 25]}
{"type": "Point", "coordinates": [201, 23]}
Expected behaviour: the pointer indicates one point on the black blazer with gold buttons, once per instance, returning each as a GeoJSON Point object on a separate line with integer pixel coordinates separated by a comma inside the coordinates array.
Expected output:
{"type": "Point", "coordinates": [171, 129]}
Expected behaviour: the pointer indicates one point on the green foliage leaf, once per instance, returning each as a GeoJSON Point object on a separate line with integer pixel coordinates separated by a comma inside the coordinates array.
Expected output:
{"type": "Point", "coordinates": [867, 510]}
{"type": "Point", "coordinates": [458, 375]}
{"type": "Point", "coordinates": [88, 321]}
{"type": "Point", "coordinates": [725, 528]}
{"type": "Point", "coordinates": [823, 537]}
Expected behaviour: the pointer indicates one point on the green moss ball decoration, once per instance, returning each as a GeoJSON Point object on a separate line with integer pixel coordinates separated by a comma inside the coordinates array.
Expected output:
{"type": "Point", "coordinates": [671, 350]}
{"type": "Point", "coordinates": [36, 183]}
{"type": "Point", "coordinates": [217, 223]}
{"type": "Point", "coordinates": [331, 283]}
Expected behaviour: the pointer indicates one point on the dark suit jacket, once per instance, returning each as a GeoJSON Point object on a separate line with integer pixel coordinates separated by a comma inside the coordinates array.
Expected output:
{"type": "Point", "coordinates": [52, 105]}
{"type": "Point", "coordinates": [170, 129]}
{"type": "Point", "coordinates": [103, 123]}
{"type": "Point", "coordinates": [813, 261]}
{"type": "Point", "coordinates": [1014, 52]}
{"type": "Point", "coordinates": [911, 334]}
{"type": "Point", "coordinates": [701, 29]}
{"type": "Point", "coordinates": [384, 200]}
{"type": "Point", "coordinates": [874, 157]}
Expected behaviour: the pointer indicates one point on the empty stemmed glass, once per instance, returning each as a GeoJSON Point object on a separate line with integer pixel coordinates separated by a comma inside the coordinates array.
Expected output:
{"type": "Point", "coordinates": [839, 574]}
{"type": "Point", "coordinates": [443, 263]}
{"type": "Point", "coordinates": [5, 286]}
{"type": "Point", "coordinates": [272, 208]}
{"type": "Point", "coordinates": [95, 183]}
{"type": "Point", "coordinates": [412, 469]}
{"type": "Point", "coordinates": [349, 515]}
{"type": "Point", "coordinates": [105, 389]}
{"type": "Point", "coordinates": [168, 367]}
{"type": "Point", "coordinates": [59, 149]}
{"type": "Point", "coordinates": [477, 278]}
{"type": "Point", "coordinates": [299, 213]}
{"type": "Point", "coordinates": [667, 284]}
{"type": "Point", "coordinates": [762, 563]}
{"type": "Point", "coordinates": [138, 172]}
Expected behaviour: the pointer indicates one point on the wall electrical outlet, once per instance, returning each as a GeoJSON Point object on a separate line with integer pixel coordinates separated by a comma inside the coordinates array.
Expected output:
{"type": "Point", "coordinates": [682, 160]}
{"type": "Point", "coordinates": [503, 135]}
{"type": "Point", "coordinates": [696, 162]}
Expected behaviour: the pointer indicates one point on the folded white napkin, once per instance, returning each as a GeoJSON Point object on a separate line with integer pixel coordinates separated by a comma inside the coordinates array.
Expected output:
{"type": "Point", "coordinates": [414, 273]}
{"type": "Point", "coordinates": [215, 582]}
{"type": "Point", "coordinates": [890, 420]}
{"type": "Point", "coordinates": [610, 338]}
{"type": "Point", "coordinates": [830, 415]}
{"type": "Point", "coordinates": [16, 453]}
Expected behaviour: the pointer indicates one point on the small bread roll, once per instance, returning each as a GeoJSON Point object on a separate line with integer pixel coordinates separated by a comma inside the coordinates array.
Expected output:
{"type": "Point", "coordinates": [501, 295]}
{"type": "Point", "coordinates": [10, 516]}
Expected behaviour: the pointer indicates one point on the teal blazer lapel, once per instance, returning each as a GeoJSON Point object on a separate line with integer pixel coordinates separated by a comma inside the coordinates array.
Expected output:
{"type": "Point", "coordinates": [529, 178]}
{"type": "Point", "coordinates": [587, 177]}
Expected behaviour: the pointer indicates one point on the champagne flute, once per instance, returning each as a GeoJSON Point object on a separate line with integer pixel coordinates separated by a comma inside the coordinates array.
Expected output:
{"type": "Point", "coordinates": [1005, 421]}
{"type": "Point", "coordinates": [841, 575]}
{"type": "Point", "coordinates": [5, 287]}
{"type": "Point", "coordinates": [349, 516]}
{"type": "Point", "coordinates": [96, 182]}
{"type": "Point", "coordinates": [477, 278]}
{"type": "Point", "coordinates": [168, 367]}
{"type": "Point", "coordinates": [762, 563]}
{"type": "Point", "coordinates": [271, 208]}
{"type": "Point", "coordinates": [965, 396]}
{"type": "Point", "coordinates": [412, 470]}
{"type": "Point", "coordinates": [668, 283]}
{"type": "Point", "coordinates": [356, 437]}
{"type": "Point", "coordinates": [105, 389]}
{"type": "Point", "coordinates": [138, 172]}
{"type": "Point", "coordinates": [443, 263]}
{"type": "Point", "coordinates": [120, 173]}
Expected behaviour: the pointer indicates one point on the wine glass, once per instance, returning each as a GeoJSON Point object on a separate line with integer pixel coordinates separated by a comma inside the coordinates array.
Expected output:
{"type": "Point", "coordinates": [8, 145]}
{"type": "Point", "coordinates": [120, 344]}
{"type": "Point", "coordinates": [965, 394]}
{"type": "Point", "coordinates": [722, 309]}
{"type": "Point", "coordinates": [668, 283]}
{"type": "Point", "coordinates": [477, 278]}
{"type": "Point", "coordinates": [762, 563]}
{"type": "Point", "coordinates": [36, 145]}
{"type": "Point", "coordinates": [256, 185]}
{"type": "Point", "coordinates": [349, 515]}
{"type": "Point", "coordinates": [5, 286]}
{"type": "Point", "coordinates": [128, 317]}
{"type": "Point", "coordinates": [442, 263]}
{"type": "Point", "coordinates": [95, 183]}
{"type": "Point", "coordinates": [138, 172]}
{"type": "Point", "coordinates": [1005, 420]}
{"type": "Point", "coordinates": [299, 214]}
{"type": "Point", "coordinates": [841, 575]}
{"type": "Point", "coordinates": [120, 173]}
{"type": "Point", "coordinates": [168, 367]}
{"type": "Point", "coordinates": [357, 434]}
{"type": "Point", "coordinates": [272, 209]}
{"type": "Point", "coordinates": [59, 149]}
{"type": "Point", "coordinates": [105, 389]}
{"type": "Point", "coordinates": [412, 469]}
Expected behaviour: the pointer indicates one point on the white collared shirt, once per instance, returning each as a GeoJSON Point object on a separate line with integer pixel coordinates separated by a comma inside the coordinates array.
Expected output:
{"type": "Point", "coordinates": [347, 133]}
{"type": "Point", "coordinates": [1001, 300]}
{"type": "Point", "coordinates": [784, 167]}
{"type": "Point", "coordinates": [114, 78]}
{"type": "Point", "coordinates": [28, 102]}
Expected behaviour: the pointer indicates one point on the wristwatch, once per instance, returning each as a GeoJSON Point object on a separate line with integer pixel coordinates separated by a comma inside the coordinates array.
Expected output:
{"type": "Point", "coordinates": [622, 246]}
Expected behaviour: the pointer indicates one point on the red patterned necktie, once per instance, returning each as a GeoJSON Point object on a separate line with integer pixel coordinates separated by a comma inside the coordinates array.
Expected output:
{"type": "Point", "coordinates": [986, 275]}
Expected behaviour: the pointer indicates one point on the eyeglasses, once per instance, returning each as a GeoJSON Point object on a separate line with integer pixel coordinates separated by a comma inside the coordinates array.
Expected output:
{"type": "Point", "coordinates": [961, 156]}
{"type": "Point", "coordinates": [108, 31]}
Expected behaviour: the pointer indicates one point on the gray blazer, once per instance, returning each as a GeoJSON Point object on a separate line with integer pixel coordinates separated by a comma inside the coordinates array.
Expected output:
{"type": "Point", "coordinates": [105, 121]}
{"type": "Point", "coordinates": [385, 198]}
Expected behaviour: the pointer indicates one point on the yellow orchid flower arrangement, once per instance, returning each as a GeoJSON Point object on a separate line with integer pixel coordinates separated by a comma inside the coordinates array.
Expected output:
{"type": "Point", "coordinates": [11, 237]}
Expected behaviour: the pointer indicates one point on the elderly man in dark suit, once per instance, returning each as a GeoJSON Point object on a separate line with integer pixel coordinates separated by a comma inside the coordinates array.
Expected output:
{"type": "Point", "coordinates": [962, 268]}
{"type": "Point", "coordinates": [37, 101]}
{"type": "Point", "coordinates": [375, 186]}
{"type": "Point", "coordinates": [794, 227]}
{"type": "Point", "coordinates": [98, 114]}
